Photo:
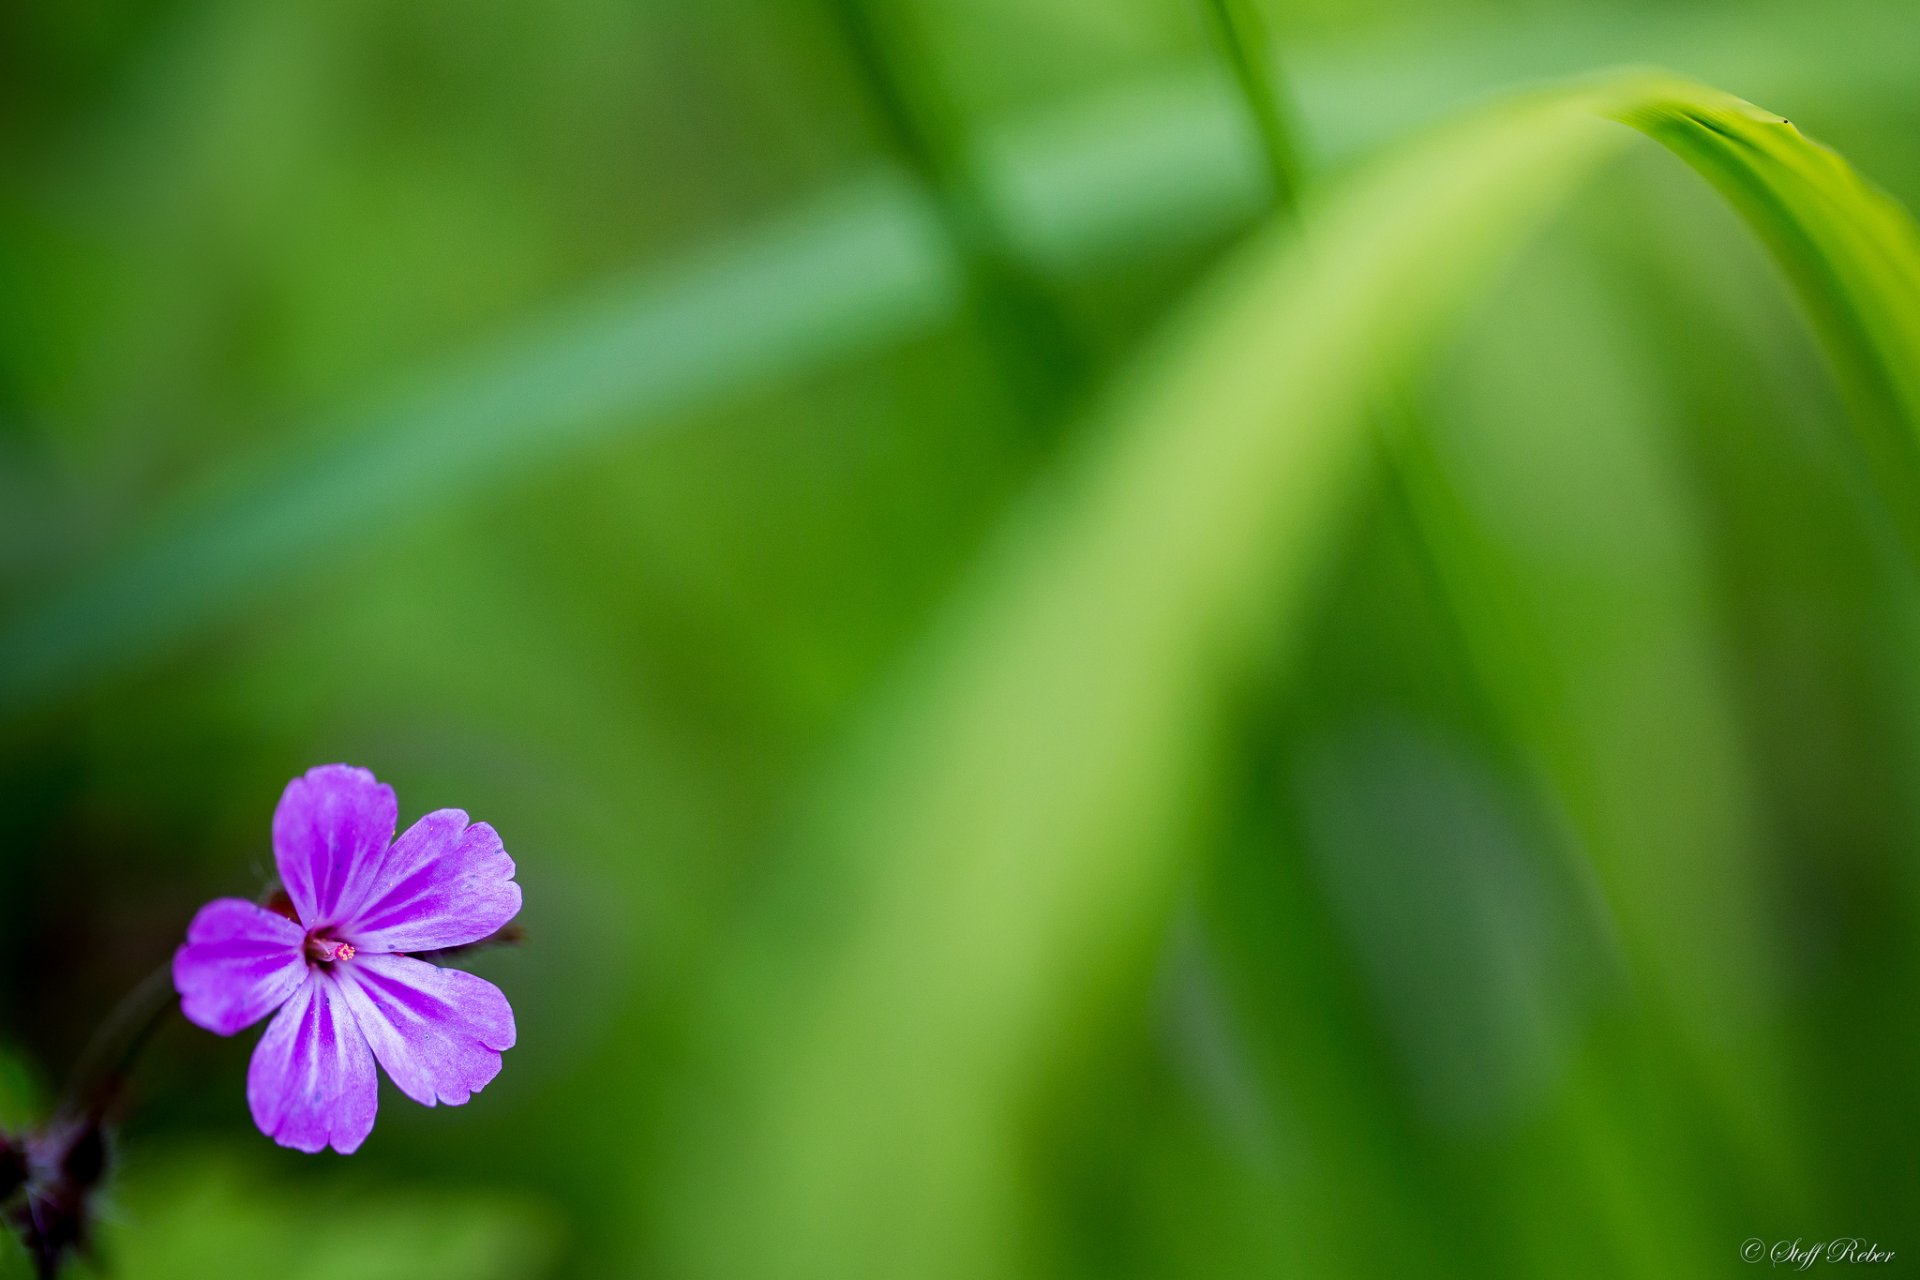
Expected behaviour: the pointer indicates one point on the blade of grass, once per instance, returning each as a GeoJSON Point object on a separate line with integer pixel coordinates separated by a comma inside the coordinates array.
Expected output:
{"type": "Point", "coordinates": [1035, 344]}
{"type": "Point", "coordinates": [1006, 837]}
{"type": "Point", "coordinates": [849, 273]}
{"type": "Point", "coordinates": [1852, 255]}
{"type": "Point", "coordinates": [1250, 53]}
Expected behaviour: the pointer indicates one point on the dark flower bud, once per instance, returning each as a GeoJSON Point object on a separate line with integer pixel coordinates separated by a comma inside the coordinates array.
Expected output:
{"type": "Point", "coordinates": [55, 1218]}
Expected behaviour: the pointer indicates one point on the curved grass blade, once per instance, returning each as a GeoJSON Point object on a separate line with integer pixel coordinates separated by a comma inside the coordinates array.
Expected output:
{"type": "Point", "coordinates": [1852, 254]}
{"type": "Point", "coordinates": [1008, 833]}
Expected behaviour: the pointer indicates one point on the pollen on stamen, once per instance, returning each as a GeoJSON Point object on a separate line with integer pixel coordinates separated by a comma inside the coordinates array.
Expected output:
{"type": "Point", "coordinates": [327, 950]}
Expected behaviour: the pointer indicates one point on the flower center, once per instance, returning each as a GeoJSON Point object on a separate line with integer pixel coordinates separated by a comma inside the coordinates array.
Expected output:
{"type": "Point", "coordinates": [325, 950]}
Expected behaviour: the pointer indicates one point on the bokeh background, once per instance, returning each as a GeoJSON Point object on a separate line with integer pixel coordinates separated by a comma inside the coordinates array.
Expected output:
{"type": "Point", "coordinates": [583, 413]}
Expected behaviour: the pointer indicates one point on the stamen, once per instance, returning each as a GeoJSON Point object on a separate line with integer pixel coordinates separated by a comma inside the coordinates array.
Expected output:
{"type": "Point", "coordinates": [324, 950]}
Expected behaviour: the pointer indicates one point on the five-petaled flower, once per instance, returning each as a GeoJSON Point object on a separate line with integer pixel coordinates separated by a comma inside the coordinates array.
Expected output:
{"type": "Point", "coordinates": [347, 990]}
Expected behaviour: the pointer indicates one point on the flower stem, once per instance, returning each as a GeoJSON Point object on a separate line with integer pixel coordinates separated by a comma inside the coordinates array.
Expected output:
{"type": "Point", "coordinates": [109, 1057]}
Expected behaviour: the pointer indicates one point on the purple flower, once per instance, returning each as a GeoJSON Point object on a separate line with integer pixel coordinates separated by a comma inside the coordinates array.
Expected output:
{"type": "Point", "coordinates": [340, 975]}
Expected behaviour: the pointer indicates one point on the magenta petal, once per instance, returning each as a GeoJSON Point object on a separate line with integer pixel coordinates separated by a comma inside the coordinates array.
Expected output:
{"type": "Point", "coordinates": [330, 835]}
{"type": "Point", "coordinates": [239, 963]}
{"type": "Point", "coordinates": [312, 1083]}
{"type": "Point", "coordinates": [443, 884]}
{"type": "Point", "coordinates": [438, 1032]}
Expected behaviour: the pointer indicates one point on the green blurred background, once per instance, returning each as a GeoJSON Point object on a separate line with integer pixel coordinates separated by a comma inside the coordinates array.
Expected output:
{"type": "Point", "coordinates": [583, 413]}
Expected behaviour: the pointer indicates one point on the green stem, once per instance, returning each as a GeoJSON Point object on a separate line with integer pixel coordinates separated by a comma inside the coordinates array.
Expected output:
{"type": "Point", "coordinates": [1250, 53]}
{"type": "Point", "coordinates": [1035, 341]}
{"type": "Point", "coordinates": [1420, 485]}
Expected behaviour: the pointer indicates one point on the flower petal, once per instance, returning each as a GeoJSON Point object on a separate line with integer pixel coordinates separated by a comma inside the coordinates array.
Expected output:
{"type": "Point", "coordinates": [438, 1032]}
{"type": "Point", "coordinates": [240, 962]}
{"type": "Point", "coordinates": [330, 835]}
{"type": "Point", "coordinates": [443, 884]}
{"type": "Point", "coordinates": [312, 1082]}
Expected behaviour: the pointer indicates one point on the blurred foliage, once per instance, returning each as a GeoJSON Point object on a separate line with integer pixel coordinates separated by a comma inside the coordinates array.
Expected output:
{"type": "Point", "coordinates": [1126, 830]}
{"type": "Point", "coordinates": [202, 1214]}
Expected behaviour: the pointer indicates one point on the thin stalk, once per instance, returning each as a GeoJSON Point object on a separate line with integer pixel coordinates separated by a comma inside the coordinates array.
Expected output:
{"type": "Point", "coordinates": [1250, 53]}
{"type": "Point", "coordinates": [1034, 340]}
{"type": "Point", "coordinates": [1420, 486]}
{"type": "Point", "coordinates": [110, 1056]}
{"type": "Point", "coordinates": [1480, 610]}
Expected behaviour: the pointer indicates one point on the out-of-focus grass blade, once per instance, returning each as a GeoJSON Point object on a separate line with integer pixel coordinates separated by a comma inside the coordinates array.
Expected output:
{"type": "Point", "coordinates": [1153, 166]}
{"type": "Point", "coordinates": [1007, 833]}
{"type": "Point", "coordinates": [849, 273]}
